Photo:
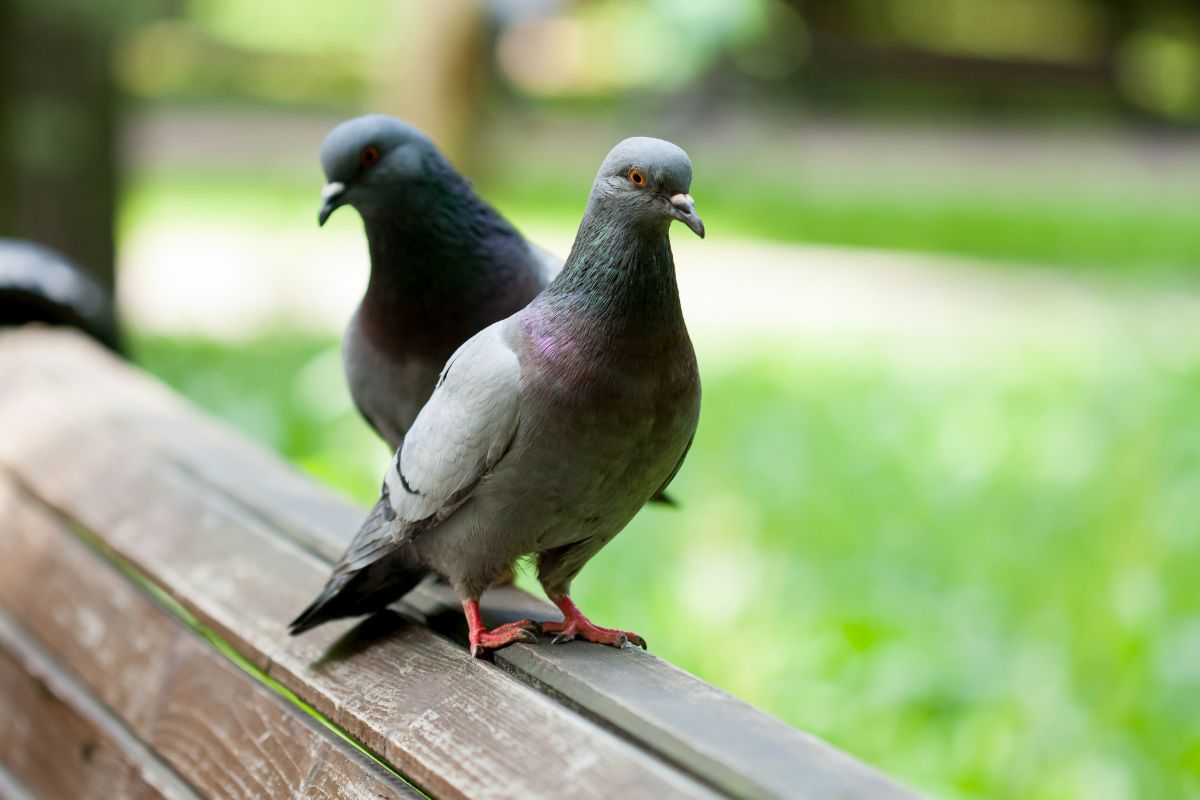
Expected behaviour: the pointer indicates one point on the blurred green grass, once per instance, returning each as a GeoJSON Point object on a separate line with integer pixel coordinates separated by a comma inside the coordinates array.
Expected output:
{"type": "Point", "coordinates": [1144, 235]}
{"type": "Point", "coordinates": [978, 575]}
{"type": "Point", "coordinates": [1079, 226]}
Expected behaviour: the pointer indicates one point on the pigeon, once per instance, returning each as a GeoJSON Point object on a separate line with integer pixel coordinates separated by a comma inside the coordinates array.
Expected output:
{"type": "Point", "coordinates": [549, 429]}
{"type": "Point", "coordinates": [444, 265]}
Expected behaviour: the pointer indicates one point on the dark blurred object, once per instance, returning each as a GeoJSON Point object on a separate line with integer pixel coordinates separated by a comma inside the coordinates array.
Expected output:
{"type": "Point", "coordinates": [57, 129]}
{"type": "Point", "coordinates": [39, 285]}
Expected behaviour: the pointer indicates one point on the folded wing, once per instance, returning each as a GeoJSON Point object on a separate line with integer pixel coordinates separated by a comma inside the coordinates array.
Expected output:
{"type": "Point", "coordinates": [460, 435]}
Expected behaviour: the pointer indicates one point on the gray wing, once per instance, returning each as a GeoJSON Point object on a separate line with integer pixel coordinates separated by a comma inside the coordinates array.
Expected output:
{"type": "Point", "coordinates": [459, 436]}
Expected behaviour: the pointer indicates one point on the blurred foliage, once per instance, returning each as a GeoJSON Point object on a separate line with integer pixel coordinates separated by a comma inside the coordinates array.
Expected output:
{"type": "Point", "coordinates": [977, 573]}
{"type": "Point", "coordinates": [102, 14]}
{"type": "Point", "coordinates": [182, 62]}
{"type": "Point", "coordinates": [703, 74]}
{"type": "Point", "coordinates": [960, 55]}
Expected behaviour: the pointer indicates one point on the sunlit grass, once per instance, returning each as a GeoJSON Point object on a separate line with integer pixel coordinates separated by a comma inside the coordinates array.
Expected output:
{"type": "Point", "coordinates": [977, 574]}
{"type": "Point", "coordinates": [1061, 225]}
{"type": "Point", "coordinates": [1080, 227]}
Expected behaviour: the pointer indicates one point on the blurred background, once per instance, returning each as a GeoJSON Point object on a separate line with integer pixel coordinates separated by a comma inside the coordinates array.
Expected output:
{"type": "Point", "coordinates": [942, 508]}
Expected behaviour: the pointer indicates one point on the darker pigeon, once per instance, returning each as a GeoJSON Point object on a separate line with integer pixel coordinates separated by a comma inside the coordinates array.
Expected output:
{"type": "Point", "coordinates": [444, 265]}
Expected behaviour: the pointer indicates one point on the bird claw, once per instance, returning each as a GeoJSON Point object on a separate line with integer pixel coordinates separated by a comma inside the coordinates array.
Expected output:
{"type": "Point", "coordinates": [484, 641]}
{"type": "Point", "coordinates": [584, 629]}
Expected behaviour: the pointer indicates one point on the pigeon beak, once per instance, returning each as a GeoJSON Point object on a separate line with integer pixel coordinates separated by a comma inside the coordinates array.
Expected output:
{"type": "Point", "coordinates": [331, 198]}
{"type": "Point", "coordinates": [684, 209]}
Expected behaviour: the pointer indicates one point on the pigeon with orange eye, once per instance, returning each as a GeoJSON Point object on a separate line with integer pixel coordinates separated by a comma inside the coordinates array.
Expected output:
{"type": "Point", "coordinates": [661, 189]}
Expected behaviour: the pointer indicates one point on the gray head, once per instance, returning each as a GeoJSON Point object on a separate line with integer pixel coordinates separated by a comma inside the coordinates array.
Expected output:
{"type": "Point", "coordinates": [370, 158]}
{"type": "Point", "coordinates": [648, 179]}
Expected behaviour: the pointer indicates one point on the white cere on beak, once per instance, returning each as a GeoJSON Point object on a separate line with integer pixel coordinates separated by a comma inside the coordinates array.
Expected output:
{"type": "Point", "coordinates": [332, 189]}
{"type": "Point", "coordinates": [685, 212]}
{"type": "Point", "coordinates": [684, 203]}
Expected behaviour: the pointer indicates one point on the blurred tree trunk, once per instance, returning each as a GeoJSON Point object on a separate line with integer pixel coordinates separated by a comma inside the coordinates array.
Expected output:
{"type": "Point", "coordinates": [58, 131]}
{"type": "Point", "coordinates": [440, 71]}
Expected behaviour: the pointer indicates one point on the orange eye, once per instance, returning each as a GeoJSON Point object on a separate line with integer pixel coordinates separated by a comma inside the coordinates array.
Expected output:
{"type": "Point", "coordinates": [369, 155]}
{"type": "Point", "coordinates": [637, 177]}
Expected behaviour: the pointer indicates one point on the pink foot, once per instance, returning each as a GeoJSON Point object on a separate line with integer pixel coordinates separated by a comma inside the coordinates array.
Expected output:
{"type": "Point", "coordinates": [484, 640]}
{"type": "Point", "coordinates": [576, 626]}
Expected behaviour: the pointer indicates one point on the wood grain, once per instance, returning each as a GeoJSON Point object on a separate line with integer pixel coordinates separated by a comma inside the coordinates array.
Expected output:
{"type": "Point", "coordinates": [215, 725]}
{"type": "Point", "coordinates": [11, 788]}
{"type": "Point", "coordinates": [703, 731]}
{"type": "Point", "coordinates": [58, 741]}
{"type": "Point", "coordinates": [692, 723]}
{"type": "Point", "coordinates": [458, 726]}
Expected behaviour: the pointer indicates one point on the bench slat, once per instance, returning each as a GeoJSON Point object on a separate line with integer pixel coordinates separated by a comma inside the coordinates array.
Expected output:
{"type": "Point", "coordinates": [222, 730]}
{"type": "Point", "coordinates": [457, 726]}
{"type": "Point", "coordinates": [58, 741]}
{"type": "Point", "coordinates": [11, 788]}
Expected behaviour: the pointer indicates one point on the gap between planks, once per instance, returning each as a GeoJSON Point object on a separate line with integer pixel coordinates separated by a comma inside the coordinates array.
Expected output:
{"type": "Point", "coordinates": [112, 761]}
{"type": "Point", "coordinates": [83, 589]}
{"type": "Point", "coordinates": [223, 648]}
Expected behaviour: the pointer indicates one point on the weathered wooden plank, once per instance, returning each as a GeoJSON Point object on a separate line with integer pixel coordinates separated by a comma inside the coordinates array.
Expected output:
{"type": "Point", "coordinates": [221, 729]}
{"type": "Point", "coordinates": [726, 743]}
{"type": "Point", "coordinates": [11, 788]}
{"type": "Point", "coordinates": [690, 722]}
{"type": "Point", "coordinates": [58, 741]}
{"type": "Point", "coordinates": [458, 726]}
{"type": "Point", "coordinates": [121, 660]}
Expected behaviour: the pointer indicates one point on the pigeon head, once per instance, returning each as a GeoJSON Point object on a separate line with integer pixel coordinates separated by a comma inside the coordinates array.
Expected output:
{"type": "Point", "coordinates": [646, 181]}
{"type": "Point", "coordinates": [369, 160]}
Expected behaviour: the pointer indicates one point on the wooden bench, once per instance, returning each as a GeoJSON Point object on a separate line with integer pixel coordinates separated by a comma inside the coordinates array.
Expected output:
{"type": "Point", "coordinates": [149, 562]}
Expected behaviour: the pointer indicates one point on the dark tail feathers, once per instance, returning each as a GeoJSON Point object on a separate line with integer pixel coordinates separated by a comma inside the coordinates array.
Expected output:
{"type": "Point", "coordinates": [382, 580]}
{"type": "Point", "coordinates": [364, 591]}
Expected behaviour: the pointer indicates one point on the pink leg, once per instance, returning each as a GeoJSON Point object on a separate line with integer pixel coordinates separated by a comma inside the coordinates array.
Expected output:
{"type": "Point", "coordinates": [576, 625]}
{"type": "Point", "coordinates": [483, 639]}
